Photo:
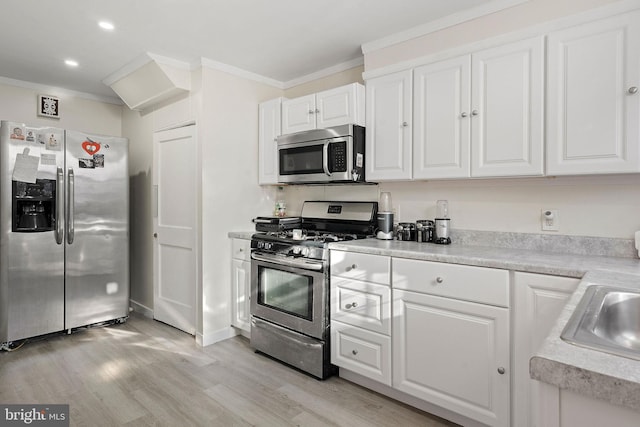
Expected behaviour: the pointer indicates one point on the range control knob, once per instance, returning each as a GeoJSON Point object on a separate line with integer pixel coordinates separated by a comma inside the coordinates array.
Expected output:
{"type": "Point", "coordinates": [268, 245]}
{"type": "Point", "coordinates": [304, 251]}
{"type": "Point", "coordinates": [296, 250]}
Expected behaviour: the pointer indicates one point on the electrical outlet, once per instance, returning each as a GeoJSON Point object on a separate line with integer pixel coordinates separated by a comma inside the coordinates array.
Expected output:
{"type": "Point", "coordinates": [550, 220]}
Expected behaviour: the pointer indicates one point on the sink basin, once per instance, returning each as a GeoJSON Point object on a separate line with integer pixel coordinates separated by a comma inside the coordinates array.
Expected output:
{"type": "Point", "coordinates": [607, 319]}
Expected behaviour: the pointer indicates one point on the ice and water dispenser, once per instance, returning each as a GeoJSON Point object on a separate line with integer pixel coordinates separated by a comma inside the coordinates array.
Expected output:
{"type": "Point", "coordinates": [33, 206]}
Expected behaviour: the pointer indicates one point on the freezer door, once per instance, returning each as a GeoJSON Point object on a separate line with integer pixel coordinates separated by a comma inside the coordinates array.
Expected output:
{"type": "Point", "coordinates": [97, 238]}
{"type": "Point", "coordinates": [31, 260]}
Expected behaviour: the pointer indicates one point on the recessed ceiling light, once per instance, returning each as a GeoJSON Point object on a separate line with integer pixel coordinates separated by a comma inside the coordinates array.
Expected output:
{"type": "Point", "coordinates": [71, 62]}
{"type": "Point", "coordinates": [106, 25]}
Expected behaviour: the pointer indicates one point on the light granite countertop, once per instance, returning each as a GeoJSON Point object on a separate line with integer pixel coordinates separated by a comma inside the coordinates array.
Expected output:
{"type": "Point", "coordinates": [593, 373]}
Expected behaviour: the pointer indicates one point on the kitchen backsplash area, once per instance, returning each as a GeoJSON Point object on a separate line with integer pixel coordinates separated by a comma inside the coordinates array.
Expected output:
{"type": "Point", "coordinates": [606, 207]}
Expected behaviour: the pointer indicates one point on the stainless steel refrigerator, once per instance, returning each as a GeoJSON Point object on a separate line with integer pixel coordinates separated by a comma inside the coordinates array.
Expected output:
{"type": "Point", "coordinates": [64, 230]}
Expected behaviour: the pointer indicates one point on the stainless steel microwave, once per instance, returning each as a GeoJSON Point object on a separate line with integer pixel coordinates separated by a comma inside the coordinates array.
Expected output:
{"type": "Point", "coordinates": [334, 154]}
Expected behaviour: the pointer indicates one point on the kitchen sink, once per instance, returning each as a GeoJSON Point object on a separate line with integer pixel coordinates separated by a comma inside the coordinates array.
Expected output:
{"type": "Point", "coordinates": [607, 319]}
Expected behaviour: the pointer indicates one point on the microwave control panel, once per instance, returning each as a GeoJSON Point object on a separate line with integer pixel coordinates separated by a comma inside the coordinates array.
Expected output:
{"type": "Point", "coordinates": [338, 157]}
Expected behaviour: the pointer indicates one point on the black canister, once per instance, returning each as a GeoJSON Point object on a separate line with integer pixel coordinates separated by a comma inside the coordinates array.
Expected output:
{"type": "Point", "coordinates": [406, 231]}
{"type": "Point", "coordinates": [424, 230]}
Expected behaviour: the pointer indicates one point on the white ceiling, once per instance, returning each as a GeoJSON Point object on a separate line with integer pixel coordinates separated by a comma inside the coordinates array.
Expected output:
{"type": "Point", "coordinates": [282, 40]}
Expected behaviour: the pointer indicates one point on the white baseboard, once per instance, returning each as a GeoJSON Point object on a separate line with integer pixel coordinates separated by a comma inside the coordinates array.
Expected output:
{"type": "Point", "coordinates": [204, 340]}
{"type": "Point", "coordinates": [142, 309]}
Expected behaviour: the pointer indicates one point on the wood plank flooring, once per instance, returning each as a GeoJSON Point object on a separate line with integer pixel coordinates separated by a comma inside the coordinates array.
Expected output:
{"type": "Point", "coordinates": [145, 373]}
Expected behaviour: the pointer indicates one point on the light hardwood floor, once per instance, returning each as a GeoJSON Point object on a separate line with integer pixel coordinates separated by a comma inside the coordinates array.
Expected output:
{"type": "Point", "coordinates": [147, 373]}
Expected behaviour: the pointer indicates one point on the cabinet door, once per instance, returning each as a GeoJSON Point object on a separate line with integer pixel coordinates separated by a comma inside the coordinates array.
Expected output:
{"type": "Point", "coordinates": [538, 301]}
{"type": "Point", "coordinates": [299, 114]}
{"type": "Point", "coordinates": [241, 291]}
{"type": "Point", "coordinates": [507, 109]}
{"type": "Point", "coordinates": [441, 119]}
{"type": "Point", "coordinates": [340, 106]}
{"type": "Point", "coordinates": [593, 108]}
{"type": "Point", "coordinates": [452, 353]}
{"type": "Point", "coordinates": [388, 140]}
{"type": "Point", "coordinates": [269, 130]}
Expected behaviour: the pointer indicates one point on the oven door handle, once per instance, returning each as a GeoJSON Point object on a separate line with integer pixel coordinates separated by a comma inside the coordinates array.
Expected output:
{"type": "Point", "coordinates": [289, 262]}
{"type": "Point", "coordinates": [325, 158]}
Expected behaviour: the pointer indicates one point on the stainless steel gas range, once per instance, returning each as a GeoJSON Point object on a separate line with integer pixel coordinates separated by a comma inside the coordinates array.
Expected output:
{"type": "Point", "coordinates": [290, 283]}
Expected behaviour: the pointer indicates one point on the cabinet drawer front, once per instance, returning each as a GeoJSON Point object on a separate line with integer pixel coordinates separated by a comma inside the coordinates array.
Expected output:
{"type": "Point", "coordinates": [477, 284]}
{"type": "Point", "coordinates": [361, 351]}
{"type": "Point", "coordinates": [241, 249]}
{"type": "Point", "coordinates": [361, 304]}
{"type": "Point", "coordinates": [370, 268]}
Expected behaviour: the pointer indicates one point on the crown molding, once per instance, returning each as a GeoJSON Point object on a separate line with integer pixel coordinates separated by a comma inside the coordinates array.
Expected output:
{"type": "Point", "coordinates": [52, 90]}
{"type": "Point", "coordinates": [343, 66]}
{"type": "Point", "coordinates": [210, 63]}
{"type": "Point", "coordinates": [439, 24]}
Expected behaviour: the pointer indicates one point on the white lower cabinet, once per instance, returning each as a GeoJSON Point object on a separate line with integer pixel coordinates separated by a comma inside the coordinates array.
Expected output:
{"type": "Point", "coordinates": [241, 284]}
{"type": "Point", "coordinates": [361, 314]}
{"type": "Point", "coordinates": [538, 301]}
{"type": "Point", "coordinates": [453, 353]}
{"type": "Point", "coordinates": [361, 351]}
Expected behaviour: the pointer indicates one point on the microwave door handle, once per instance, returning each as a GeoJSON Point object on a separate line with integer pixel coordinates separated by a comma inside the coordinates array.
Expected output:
{"type": "Point", "coordinates": [325, 158]}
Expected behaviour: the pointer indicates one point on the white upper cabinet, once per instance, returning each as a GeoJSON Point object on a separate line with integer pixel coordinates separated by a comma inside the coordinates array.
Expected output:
{"type": "Point", "coordinates": [299, 114]}
{"type": "Point", "coordinates": [388, 136]}
{"type": "Point", "coordinates": [334, 107]}
{"type": "Point", "coordinates": [507, 129]}
{"type": "Point", "coordinates": [268, 132]}
{"type": "Point", "coordinates": [441, 131]}
{"type": "Point", "coordinates": [475, 115]}
{"type": "Point", "coordinates": [593, 103]}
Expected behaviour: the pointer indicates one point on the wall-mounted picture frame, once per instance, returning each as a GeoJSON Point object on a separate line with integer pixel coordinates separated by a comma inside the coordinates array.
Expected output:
{"type": "Point", "coordinates": [48, 106]}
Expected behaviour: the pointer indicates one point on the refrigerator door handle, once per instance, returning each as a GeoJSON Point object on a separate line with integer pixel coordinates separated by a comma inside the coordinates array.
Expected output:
{"type": "Point", "coordinates": [70, 202]}
{"type": "Point", "coordinates": [59, 206]}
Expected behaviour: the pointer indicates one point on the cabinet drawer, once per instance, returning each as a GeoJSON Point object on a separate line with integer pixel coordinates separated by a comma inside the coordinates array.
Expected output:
{"type": "Point", "coordinates": [477, 284]}
{"type": "Point", "coordinates": [241, 249]}
{"type": "Point", "coordinates": [363, 304]}
{"type": "Point", "coordinates": [370, 268]}
{"type": "Point", "coordinates": [361, 351]}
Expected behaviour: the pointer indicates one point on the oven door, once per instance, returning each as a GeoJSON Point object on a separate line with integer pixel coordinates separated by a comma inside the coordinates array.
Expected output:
{"type": "Point", "coordinates": [290, 292]}
{"type": "Point", "coordinates": [316, 161]}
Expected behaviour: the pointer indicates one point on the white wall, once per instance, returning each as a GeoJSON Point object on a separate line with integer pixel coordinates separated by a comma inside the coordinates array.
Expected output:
{"type": "Point", "coordinates": [231, 196]}
{"type": "Point", "coordinates": [18, 103]}
{"type": "Point", "coordinates": [139, 130]}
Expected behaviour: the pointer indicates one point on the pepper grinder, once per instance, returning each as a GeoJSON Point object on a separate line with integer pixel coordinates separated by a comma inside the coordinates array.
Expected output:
{"type": "Point", "coordinates": [442, 223]}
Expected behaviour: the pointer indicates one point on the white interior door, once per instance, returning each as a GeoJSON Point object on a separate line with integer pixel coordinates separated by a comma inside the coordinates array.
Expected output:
{"type": "Point", "coordinates": [175, 187]}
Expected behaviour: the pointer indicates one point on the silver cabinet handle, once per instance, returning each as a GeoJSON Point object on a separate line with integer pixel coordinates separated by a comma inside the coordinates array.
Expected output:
{"type": "Point", "coordinates": [354, 352]}
{"type": "Point", "coordinates": [501, 370]}
{"type": "Point", "coordinates": [70, 206]}
{"type": "Point", "coordinates": [351, 267]}
{"type": "Point", "coordinates": [352, 305]}
{"type": "Point", "coordinates": [155, 235]}
{"type": "Point", "coordinates": [464, 114]}
{"type": "Point", "coordinates": [475, 113]}
{"type": "Point", "coordinates": [317, 111]}
{"type": "Point", "coordinates": [439, 279]}
{"type": "Point", "coordinates": [633, 90]}
{"type": "Point", "coordinates": [405, 124]}
{"type": "Point", "coordinates": [59, 206]}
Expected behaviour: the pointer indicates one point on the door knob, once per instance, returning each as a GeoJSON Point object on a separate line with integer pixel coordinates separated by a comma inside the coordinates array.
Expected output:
{"type": "Point", "coordinates": [633, 90]}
